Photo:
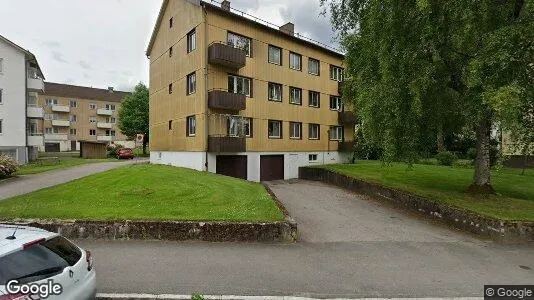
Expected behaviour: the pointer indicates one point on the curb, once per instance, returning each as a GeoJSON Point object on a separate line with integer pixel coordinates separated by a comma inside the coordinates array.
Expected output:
{"type": "Point", "coordinates": [103, 296]}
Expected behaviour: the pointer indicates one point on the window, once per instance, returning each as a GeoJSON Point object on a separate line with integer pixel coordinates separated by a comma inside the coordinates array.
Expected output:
{"type": "Point", "coordinates": [312, 157]}
{"type": "Point", "coordinates": [48, 130]}
{"type": "Point", "coordinates": [295, 130]}
{"type": "Point", "coordinates": [73, 103]}
{"type": "Point", "coordinates": [191, 40]}
{"type": "Point", "coordinates": [170, 88]}
{"type": "Point", "coordinates": [49, 116]}
{"type": "Point", "coordinates": [92, 132]}
{"type": "Point", "coordinates": [72, 131]}
{"type": "Point", "coordinates": [247, 127]}
{"type": "Point", "coordinates": [1, 92]}
{"type": "Point", "coordinates": [275, 129]}
{"type": "Point", "coordinates": [336, 133]}
{"type": "Point", "coordinates": [73, 118]}
{"type": "Point", "coordinates": [313, 131]}
{"type": "Point", "coordinates": [1, 65]}
{"type": "Point", "coordinates": [275, 92]}
{"type": "Point", "coordinates": [170, 51]}
{"type": "Point", "coordinates": [314, 99]}
{"type": "Point", "coordinates": [336, 73]}
{"type": "Point", "coordinates": [171, 22]}
{"type": "Point", "coordinates": [295, 96]}
{"type": "Point", "coordinates": [275, 55]}
{"type": "Point", "coordinates": [33, 127]}
{"type": "Point", "coordinates": [335, 103]}
{"type": "Point", "coordinates": [1, 125]}
{"type": "Point", "coordinates": [111, 120]}
{"type": "Point", "coordinates": [240, 42]}
{"type": "Point", "coordinates": [109, 106]}
{"type": "Point", "coordinates": [191, 126]}
{"type": "Point", "coordinates": [32, 99]}
{"type": "Point", "coordinates": [51, 102]}
{"type": "Point", "coordinates": [92, 119]}
{"type": "Point", "coordinates": [170, 124]}
{"type": "Point", "coordinates": [295, 61]}
{"type": "Point", "coordinates": [92, 106]}
{"type": "Point", "coordinates": [240, 85]}
{"type": "Point", "coordinates": [110, 132]}
{"type": "Point", "coordinates": [191, 83]}
{"type": "Point", "coordinates": [313, 66]}
{"type": "Point", "coordinates": [234, 126]}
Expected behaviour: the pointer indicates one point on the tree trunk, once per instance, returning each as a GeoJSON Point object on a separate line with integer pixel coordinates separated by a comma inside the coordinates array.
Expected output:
{"type": "Point", "coordinates": [524, 166]}
{"type": "Point", "coordinates": [482, 184]}
{"type": "Point", "coordinates": [440, 140]}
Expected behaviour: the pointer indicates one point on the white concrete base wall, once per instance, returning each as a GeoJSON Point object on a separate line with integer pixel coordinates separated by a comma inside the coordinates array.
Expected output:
{"type": "Point", "coordinates": [292, 161]}
{"type": "Point", "coordinates": [191, 160]}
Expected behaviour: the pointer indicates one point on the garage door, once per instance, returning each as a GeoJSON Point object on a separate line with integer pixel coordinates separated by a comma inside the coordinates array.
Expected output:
{"type": "Point", "coordinates": [51, 147]}
{"type": "Point", "coordinates": [271, 167]}
{"type": "Point", "coordinates": [232, 165]}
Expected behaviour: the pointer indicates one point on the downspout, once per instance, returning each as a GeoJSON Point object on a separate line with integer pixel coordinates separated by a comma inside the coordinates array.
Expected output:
{"type": "Point", "coordinates": [26, 65]}
{"type": "Point", "coordinates": [206, 128]}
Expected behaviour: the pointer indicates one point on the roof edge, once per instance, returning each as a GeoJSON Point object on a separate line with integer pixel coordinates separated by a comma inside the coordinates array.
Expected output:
{"type": "Point", "coordinates": [156, 27]}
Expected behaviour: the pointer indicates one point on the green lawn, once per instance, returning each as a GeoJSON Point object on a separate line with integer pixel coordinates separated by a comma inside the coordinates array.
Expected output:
{"type": "Point", "coordinates": [515, 199]}
{"type": "Point", "coordinates": [60, 163]}
{"type": "Point", "coordinates": [147, 192]}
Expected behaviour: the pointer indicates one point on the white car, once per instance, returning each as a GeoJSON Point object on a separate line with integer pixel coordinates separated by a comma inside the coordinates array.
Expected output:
{"type": "Point", "coordinates": [37, 258]}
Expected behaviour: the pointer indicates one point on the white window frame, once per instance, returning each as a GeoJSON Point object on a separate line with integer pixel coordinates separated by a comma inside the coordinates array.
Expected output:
{"type": "Point", "coordinates": [110, 107]}
{"type": "Point", "coordinates": [1, 65]}
{"type": "Point", "coordinates": [111, 120]}
{"type": "Point", "coordinates": [73, 131]}
{"type": "Point", "coordinates": [311, 131]}
{"type": "Point", "coordinates": [338, 103]}
{"type": "Point", "coordinates": [48, 130]}
{"type": "Point", "coordinates": [275, 48]}
{"type": "Point", "coordinates": [272, 87]}
{"type": "Point", "coordinates": [191, 41]}
{"type": "Point", "coordinates": [240, 42]}
{"type": "Point", "coordinates": [92, 106]}
{"type": "Point", "coordinates": [92, 131]}
{"type": "Point", "coordinates": [191, 126]}
{"type": "Point", "coordinates": [311, 99]}
{"type": "Point", "coordinates": [73, 118]}
{"type": "Point", "coordinates": [51, 102]}
{"type": "Point", "coordinates": [313, 60]}
{"type": "Point", "coordinates": [336, 133]}
{"type": "Point", "coordinates": [71, 102]}
{"type": "Point", "coordinates": [293, 93]}
{"type": "Point", "coordinates": [235, 80]}
{"type": "Point", "coordinates": [312, 157]}
{"type": "Point", "coordinates": [1, 126]}
{"type": "Point", "coordinates": [30, 103]}
{"type": "Point", "coordinates": [247, 127]}
{"type": "Point", "coordinates": [279, 136]}
{"type": "Point", "coordinates": [1, 96]}
{"type": "Point", "coordinates": [92, 119]}
{"type": "Point", "coordinates": [336, 73]}
{"type": "Point", "coordinates": [234, 126]}
{"type": "Point", "coordinates": [191, 83]}
{"type": "Point", "coordinates": [295, 130]}
{"type": "Point", "coordinates": [293, 63]}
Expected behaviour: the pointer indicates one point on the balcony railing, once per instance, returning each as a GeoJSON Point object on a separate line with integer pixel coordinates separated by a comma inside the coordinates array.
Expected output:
{"type": "Point", "coordinates": [225, 55]}
{"type": "Point", "coordinates": [55, 137]}
{"type": "Point", "coordinates": [61, 123]}
{"type": "Point", "coordinates": [220, 99]}
{"type": "Point", "coordinates": [347, 117]}
{"type": "Point", "coordinates": [104, 138]}
{"type": "Point", "coordinates": [104, 125]}
{"type": "Point", "coordinates": [61, 108]}
{"type": "Point", "coordinates": [34, 112]}
{"type": "Point", "coordinates": [104, 112]}
{"type": "Point", "coordinates": [35, 139]}
{"type": "Point", "coordinates": [226, 144]}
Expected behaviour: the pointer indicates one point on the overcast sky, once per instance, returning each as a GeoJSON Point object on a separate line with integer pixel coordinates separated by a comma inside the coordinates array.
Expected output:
{"type": "Point", "coordinates": [102, 43]}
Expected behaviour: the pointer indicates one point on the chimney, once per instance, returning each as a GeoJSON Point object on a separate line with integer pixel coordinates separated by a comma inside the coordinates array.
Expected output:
{"type": "Point", "coordinates": [110, 89]}
{"type": "Point", "coordinates": [225, 5]}
{"type": "Point", "coordinates": [288, 28]}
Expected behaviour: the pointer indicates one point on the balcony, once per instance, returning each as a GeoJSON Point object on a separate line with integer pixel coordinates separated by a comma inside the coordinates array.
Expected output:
{"type": "Point", "coordinates": [61, 123]}
{"type": "Point", "coordinates": [104, 125]}
{"type": "Point", "coordinates": [226, 144]}
{"type": "Point", "coordinates": [35, 139]}
{"type": "Point", "coordinates": [347, 117]}
{"type": "Point", "coordinates": [56, 137]}
{"type": "Point", "coordinates": [226, 56]}
{"type": "Point", "coordinates": [219, 99]}
{"type": "Point", "coordinates": [35, 82]}
{"type": "Point", "coordinates": [34, 112]}
{"type": "Point", "coordinates": [104, 138]}
{"type": "Point", "coordinates": [61, 108]}
{"type": "Point", "coordinates": [346, 146]}
{"type": "Point", "coordinates": [104, 112]}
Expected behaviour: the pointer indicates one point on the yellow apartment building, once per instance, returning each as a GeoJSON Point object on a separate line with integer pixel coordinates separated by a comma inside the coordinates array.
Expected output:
{"type": "Point", "coordinates": [77, 113]}
{"type": "Point", "coordinates": [239, 96]}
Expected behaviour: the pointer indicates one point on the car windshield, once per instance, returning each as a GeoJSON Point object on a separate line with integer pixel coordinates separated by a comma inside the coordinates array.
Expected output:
{"type": "Point", "coordinates": [39, 262]}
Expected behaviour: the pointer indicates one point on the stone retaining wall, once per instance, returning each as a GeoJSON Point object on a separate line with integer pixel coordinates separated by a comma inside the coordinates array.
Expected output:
{"type": "Point", "coordinates": [281, 231]}
{"type": "Point", "coordinates": [503, 231]}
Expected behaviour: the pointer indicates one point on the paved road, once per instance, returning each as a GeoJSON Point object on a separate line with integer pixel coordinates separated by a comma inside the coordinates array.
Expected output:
{"type": "Point", "coordinates": [350, 246]}
{"type": "Point", "coordinates": [29, 183]}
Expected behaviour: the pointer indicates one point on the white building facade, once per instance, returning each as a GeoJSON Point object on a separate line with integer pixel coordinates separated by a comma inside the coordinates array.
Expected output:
{"type": "Point", "coordinates": [20, 80]}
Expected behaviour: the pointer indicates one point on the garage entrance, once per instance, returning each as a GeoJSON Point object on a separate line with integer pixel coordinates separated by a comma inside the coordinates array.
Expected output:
{"type": "Point", "coordinates": [271, 167]}
{"type": "Point", "coordinates": [51, 147]}
{"type": "Point", "coordinates": [232, 165]}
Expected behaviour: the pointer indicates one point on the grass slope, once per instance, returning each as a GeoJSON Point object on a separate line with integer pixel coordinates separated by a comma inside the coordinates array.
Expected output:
{"type": "Point", "coordinates": [61, 163]}
{"type": "Point", "coordinates": [515, 199]}
{"type": "Point", "coordinates": [147, 192]}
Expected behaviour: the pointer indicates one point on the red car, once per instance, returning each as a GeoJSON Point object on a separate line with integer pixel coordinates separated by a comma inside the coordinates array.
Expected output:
{"type": "Point", "coordinates": [125, 153]}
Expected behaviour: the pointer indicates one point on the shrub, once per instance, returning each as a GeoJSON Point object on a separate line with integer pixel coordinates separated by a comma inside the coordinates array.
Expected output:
{"type": "Point", "coordinates": [446, 158]}
{"type": "Point", "coordinates": [471, 153]}
{"type": "Point", "coordinates": [113, 149]}
{"type": "Point", "coordinates": [8, 166]}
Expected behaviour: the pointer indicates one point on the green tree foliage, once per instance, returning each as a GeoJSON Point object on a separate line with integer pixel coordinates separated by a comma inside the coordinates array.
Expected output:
{"type": "Point", "coordinates": [417, 65]}
{"type": "Point", "coordinates": [133, 114]}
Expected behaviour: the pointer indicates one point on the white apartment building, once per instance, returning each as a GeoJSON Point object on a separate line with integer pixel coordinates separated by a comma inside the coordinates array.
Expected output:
{"type": "Point", "coordinates": [20, 117]}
